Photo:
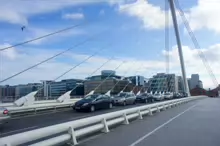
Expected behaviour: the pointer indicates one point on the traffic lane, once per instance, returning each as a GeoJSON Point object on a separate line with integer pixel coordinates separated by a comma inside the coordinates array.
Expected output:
{"type": "Point", "coordinates": [125, 135]}
{"type": "Point", "coordinates": [23, 124]}
{"type": "Point", "coordinates": [200, 126]}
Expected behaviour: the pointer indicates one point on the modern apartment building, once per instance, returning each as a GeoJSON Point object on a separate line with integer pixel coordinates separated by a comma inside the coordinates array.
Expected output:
{"type": "Point", "coordinates": [162, 82]}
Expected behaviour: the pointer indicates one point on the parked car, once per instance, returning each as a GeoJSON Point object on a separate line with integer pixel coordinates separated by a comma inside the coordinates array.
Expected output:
{"type": "Point", "coordinates": [93, 102]}
{"type": "Point", "coordinates": [177, 95]}
{"type": "Point", "coordinates": [185, 94]}
{"type": "Point", "coordinates": [168, 95]}
{"type": "Point", "coordinates": [158, 97]}
{"type": "Point", "coordinates": [4, 115]}
{"type": "Point", "coordinates": [145, 98]}
{"type": "Point", "coordinates": [124, 98]}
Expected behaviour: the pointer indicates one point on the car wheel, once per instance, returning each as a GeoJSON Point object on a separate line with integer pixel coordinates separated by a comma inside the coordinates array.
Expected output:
{"type": "Point", "coordinates": [110, 105]}
{"type": "Point", "coordinates": [134, 102]}
{"type": "Point", "coordinates": [92, 108]}
{"type": "Point", "coordinates": [146, 101]}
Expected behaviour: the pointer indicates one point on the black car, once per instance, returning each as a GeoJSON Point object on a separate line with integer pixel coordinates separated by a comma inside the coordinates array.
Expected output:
{"type": "Point", "coordinates": [185, 94]}
{"type": "Point", "coordinates": [93, 102]}
{"type": "Point", "coordinates": [177, 95]}
{"type": "Point", "coordinates": [145, 98]}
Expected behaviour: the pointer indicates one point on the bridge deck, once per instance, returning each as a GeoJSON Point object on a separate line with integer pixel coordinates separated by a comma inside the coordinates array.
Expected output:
{"type": "Point", "coordinates": [194, 123]}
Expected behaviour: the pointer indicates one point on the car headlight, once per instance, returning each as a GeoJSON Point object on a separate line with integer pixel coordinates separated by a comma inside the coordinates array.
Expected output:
{"type": "Point", "coordinates": [85, 104]}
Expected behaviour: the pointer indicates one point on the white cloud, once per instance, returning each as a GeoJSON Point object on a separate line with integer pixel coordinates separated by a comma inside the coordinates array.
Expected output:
{"type": "Point", "coordinates": [194, 64]}
{"type": "Point", "coordinates": [73, 16]}
{"type": "Point", "coordinates": [9, 53]}
{"type": "Point", "coordinates": [16, 61]}
{"type": "Point", "coordinates": [27, 57]}
{"type": "Point", "coordinates": [18, 12]}
{"type": "Point", "coordinates": [152, 17]}
{"type": "Point", "coordinates": [205, 15]}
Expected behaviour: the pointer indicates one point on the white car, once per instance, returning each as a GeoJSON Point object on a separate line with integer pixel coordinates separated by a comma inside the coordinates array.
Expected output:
{"type": "Point", "coordinates": [168, 96]}
{"type": "Point", "coordinates": [158, 96]}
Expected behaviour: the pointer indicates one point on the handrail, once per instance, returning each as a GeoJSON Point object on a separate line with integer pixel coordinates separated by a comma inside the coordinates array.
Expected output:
{"type": "Point", "coordinates": [38, 107]}
{"type": "Point", "coordinates": [71, 131]}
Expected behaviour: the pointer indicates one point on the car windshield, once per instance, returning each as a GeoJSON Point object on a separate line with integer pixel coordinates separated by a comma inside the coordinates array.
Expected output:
{"type": "Point", "coordinates": [122, 94]}
{"type": "Point", "coordinates": [92, 97]}
{"type": "Point", "coordinates": [144, 94]}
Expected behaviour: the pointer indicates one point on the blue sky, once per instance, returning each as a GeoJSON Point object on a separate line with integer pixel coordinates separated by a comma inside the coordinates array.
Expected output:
{"type": "Point", "coordinates": [133, 28]}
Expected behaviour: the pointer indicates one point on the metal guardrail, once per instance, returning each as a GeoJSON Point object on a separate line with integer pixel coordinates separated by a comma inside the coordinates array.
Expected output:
{"type": "Point", "coordinates": [40, 107]}
{"type": "Point", "coordinates": [70, 132]}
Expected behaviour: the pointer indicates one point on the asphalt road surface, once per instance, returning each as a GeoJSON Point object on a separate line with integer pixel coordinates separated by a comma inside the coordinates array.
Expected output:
{"type": "Point", "coordinates": [196, 123]}
{"type": "Point", "coordinates": [22, 124]}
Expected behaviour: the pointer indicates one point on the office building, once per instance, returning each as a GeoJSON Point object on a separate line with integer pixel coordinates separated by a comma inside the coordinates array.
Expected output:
{"type": "Point", "coordinates": [22, 90]}
{"type": "Point", "coordinates": [7, 92]}
{"type": "Point", "coordinates": [200, 84]}
{"type": "Point", "coordinates": [56, 89]}
{"type": "Point", "coordinates": [137, 80]}
{"type": "Point", "coordinates": [106, 81]}
{"type": "Point", "coordinates": [194, 81]}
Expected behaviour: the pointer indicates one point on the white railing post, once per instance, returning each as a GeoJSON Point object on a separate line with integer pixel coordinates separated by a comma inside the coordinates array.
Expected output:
{"type": "Point", "coordinates": [158, 110]}
{"type": "Point", "coordinates": [150, 112]}
{"type": "Point", "coordinates": [35, 111]}
{"type": "Point", "coordinates": [73, 136]}
{"type": "Point", "coordinates": [140, 115]}
{"type": "Point", "coordinates": [125, 119]}
{"type": "Point", "coordinates": [105, 129]}
{"type": "Point", "coordinates": [169, 105]}
{"type": "Point", "coordinates": [164, 107]}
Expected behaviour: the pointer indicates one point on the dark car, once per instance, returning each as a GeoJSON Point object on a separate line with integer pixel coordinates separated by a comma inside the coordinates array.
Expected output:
{"type": "Point", "coordinates": [185, 94]}
{"type": "Point", "coordinates": [93, 102]}
{"type": "Point", "coordinates": [145, 98]}
{"type": "Point", "coordinates": [177, 95]}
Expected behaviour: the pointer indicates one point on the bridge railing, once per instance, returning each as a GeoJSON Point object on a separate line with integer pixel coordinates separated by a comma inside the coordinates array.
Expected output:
{"type": "Point", "coordinates": [40, 107]}
{"type": "Point", "coordinates": [70, 132]}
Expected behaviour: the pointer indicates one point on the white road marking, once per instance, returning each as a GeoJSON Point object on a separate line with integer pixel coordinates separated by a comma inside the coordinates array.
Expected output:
{"type": "Point", "coordinates": [18, 130]}
{"type": "Point", "coordinates": [161, 126]}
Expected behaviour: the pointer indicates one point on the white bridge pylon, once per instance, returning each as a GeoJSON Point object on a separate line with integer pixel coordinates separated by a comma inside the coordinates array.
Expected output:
{"type": "Point", "coordinates": [26, 100]}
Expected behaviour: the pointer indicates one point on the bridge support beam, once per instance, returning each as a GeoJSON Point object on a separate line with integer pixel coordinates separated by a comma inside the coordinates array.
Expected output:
{"type": "Point", "coordinates": [173, 12]}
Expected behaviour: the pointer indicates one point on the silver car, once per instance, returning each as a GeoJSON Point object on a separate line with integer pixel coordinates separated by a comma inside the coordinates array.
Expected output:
{"type": "Point", "coordinates": [158, 97]}
{"type": "Point", "coordinates": [168, 96]}
{"type": "Point", "coordinates": [124, 98]}
{"type": "Point", "coordinates": [4, 115]}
